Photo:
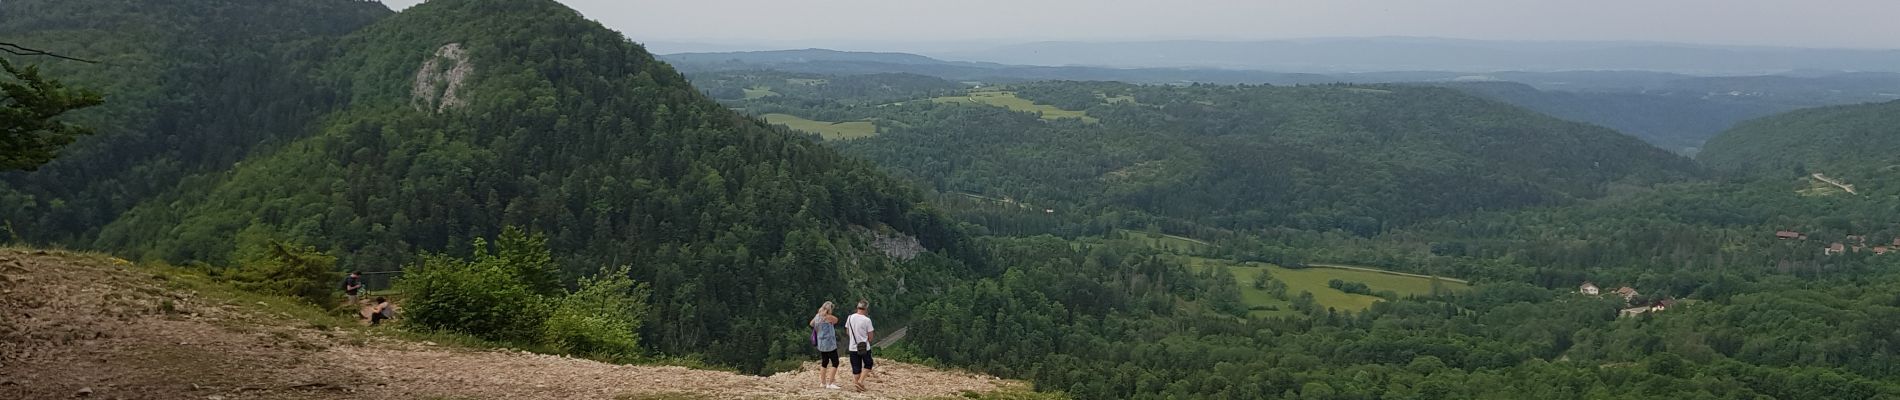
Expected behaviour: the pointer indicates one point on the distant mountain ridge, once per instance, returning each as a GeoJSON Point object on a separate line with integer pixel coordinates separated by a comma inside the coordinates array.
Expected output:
{"type": "Point", "coordinates": [1672, 110]}
{"type": "Point", "coordinates": [1390, 54]}
{"type": "Point", "coordinates": [807, 55]}
{"type": "Point", "coordinates": [824, 61]}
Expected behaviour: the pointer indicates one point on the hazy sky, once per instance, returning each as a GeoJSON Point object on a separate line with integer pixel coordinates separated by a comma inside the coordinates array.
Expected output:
{"type": "Point", "coordinates": [1804, 23]}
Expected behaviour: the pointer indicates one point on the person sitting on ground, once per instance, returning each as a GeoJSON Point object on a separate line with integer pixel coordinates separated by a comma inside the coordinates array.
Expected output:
{"type": "Point", "coordinates": [859, 326]}
{"type": "Point", "coordinates": [352, 285]}
{"type": "Point", "coordinates": [825, 337]}
{"type": "Point", "coordinates": [381, 310]}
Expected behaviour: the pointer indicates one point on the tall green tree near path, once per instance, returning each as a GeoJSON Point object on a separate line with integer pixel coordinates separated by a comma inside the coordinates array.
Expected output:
{"type": "Point", "coordinates": [31, 133]}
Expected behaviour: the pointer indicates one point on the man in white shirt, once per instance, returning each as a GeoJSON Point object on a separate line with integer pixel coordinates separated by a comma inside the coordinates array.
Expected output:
{"type": "Point", "coordinates": [861, 332]}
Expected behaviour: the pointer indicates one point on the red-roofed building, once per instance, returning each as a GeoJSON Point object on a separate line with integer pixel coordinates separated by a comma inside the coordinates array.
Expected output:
{"type": "Point", "coordinates": [1879, 250]}
{"type": "Point", "coordinates": [1836, 248]}
{"type": "Point", "coordinates": [1628, 293]}
{"type": "Point", "coordinates": [1785, 235]}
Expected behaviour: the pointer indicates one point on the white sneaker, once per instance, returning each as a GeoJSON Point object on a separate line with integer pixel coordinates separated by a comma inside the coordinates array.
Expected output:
{"type": "Point", "coordinates": [833, 387]}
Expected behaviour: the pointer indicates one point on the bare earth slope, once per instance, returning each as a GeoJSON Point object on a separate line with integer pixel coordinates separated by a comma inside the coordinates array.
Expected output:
{"type": "Point", "coordinates": [86, 325]}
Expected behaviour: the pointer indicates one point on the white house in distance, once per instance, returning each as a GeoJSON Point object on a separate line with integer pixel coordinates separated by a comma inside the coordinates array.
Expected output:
{"type": "Point", "coordinates": [1589, 289]}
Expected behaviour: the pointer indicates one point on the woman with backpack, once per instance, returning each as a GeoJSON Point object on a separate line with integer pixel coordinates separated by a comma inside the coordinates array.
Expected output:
{"type": "Point", "coordinates": [824, 335]}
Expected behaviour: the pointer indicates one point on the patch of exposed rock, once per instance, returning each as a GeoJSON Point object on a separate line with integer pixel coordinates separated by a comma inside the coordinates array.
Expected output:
{"type": "Point", "coordinates": [439, 82]}
{"type": "Point", "coordinates": [893, 244]}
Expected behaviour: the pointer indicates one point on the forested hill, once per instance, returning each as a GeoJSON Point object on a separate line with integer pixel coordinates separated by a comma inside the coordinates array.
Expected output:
{"type": "Point", "coordinates": [191, 86]}
{"type": "Point", "coordinates": [1857, 141]}
{"type": "Point", "coordinates": [1678, 121]}
{"type": "Point", "coordinates": [1359, 158]}
{"type": "Point", "coordinates": [447, 122]}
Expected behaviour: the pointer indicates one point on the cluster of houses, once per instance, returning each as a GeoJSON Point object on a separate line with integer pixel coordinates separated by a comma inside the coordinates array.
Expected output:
{"type": "Point", "coordinates": [1629, 296]}
{"type": "Point", "coordinates": [1855, 243]}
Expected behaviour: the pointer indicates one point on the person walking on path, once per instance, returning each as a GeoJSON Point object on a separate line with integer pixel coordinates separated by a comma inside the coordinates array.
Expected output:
{"type": "Point", "coordinates": [824, 334]}
{"type": "Point", "coordinates": [861, 332]}
{"type": "Point", "coordinates": [352, 285]}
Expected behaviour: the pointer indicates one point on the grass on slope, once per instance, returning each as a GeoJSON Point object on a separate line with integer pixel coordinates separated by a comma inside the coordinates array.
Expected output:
{"type": "Point", "coordinates": [829, 130]}
{"type": "Point", "coordinates": [340, 319]}
{"type": "Point", "coordinates": [155, 318]}
{"type": "Point", "coordinates": [1010, 101]}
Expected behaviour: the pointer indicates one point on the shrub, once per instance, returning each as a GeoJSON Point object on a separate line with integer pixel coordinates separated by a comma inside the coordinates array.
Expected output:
{"type": "Point", "coordinates": [526, 256]}
{"type": "Point", "coordinates": [292, 270]}
{"type": "Point", "coordinates": [511, 292]}
{"type": "Point", "coordinates": [1349, 287]}
{"type": "Point", "coordinates": [601, 319]}
{"type": "Point", "coordinates": [482, 297]}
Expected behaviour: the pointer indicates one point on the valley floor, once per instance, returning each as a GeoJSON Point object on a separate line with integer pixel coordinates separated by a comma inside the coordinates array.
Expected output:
{"type": "Point", "coordinates": [94, 326]}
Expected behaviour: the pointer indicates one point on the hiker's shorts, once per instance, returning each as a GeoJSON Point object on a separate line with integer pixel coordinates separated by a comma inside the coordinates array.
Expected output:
{"type": "Point", "coordinates": [828, 359]}
{"type": "Point", "coordinates": [860, 361]}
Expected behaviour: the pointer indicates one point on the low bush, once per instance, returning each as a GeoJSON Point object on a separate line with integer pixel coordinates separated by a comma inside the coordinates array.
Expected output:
{"type": "Point", "coordinates": [480, 298]}
{"type": "Point", "coordinates": [510, 292]}
{"type": "Point", "coordinates": [291, 270]}
{"type": "Point", "coordinates": [601, 319]}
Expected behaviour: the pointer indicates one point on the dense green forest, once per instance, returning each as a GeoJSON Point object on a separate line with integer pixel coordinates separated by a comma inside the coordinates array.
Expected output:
{"type": "Point", "coordinates": [1751, 316]}
{"type": "Point", "coordinates": [190, 86]}
{"type": "Point", "coordinates": [519, 160]}
{"type": "Point", "coordinates": [1107, 323]}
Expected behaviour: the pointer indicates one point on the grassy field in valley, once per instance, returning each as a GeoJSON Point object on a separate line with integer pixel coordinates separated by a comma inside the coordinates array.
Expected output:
{"type": "Point", "coordinates": [758, 92]}
{"type": "Point", "coordinates": [1164, 242]}
{"type": "Point", "coordinates": [1316, 279]}
{"type": "Point", "coordinates": [1010, 101]}
{"type": "Point", "coordinates": [829, 130]}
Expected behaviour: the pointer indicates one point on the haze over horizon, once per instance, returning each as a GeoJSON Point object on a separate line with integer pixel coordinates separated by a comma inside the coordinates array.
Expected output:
{"type": "Point", "coordinates": [881, 25]}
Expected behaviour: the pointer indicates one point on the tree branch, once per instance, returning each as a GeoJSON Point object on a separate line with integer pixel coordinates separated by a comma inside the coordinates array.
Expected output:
{"type": "Point", "coordinates": [24, 51]}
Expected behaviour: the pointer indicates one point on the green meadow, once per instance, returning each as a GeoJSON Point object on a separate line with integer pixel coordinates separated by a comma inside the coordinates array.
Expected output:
{"type": "Point", "coordinates": [1316, 280]}
{"type": "Point", "coordinates": [1010, 101]}
{"type": "Point", "coordinates": [758, 92]}
{"type": "Point", "coordinates": [1164, 242]}
{"type": "Point", "coordinates": [828, 130]}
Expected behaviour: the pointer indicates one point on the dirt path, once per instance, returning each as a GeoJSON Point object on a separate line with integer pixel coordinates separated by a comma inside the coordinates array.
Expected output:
{"type": "Point", "coordinates": [1381, 271]}
{"type": "Point", "coordinates": [91, 326]}
{"type": "Point", "coordinates": [1836, 183]}
{"type": "Point", "coordinates": [1189, 239]}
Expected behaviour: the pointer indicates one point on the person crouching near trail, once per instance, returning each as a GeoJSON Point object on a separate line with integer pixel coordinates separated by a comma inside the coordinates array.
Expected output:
{"type": "Point", "coordinates": [382, 310]}
{"type": "Point", "coordinates": [824, 335]}
{"type": "Point", "coordinates": [859, 326]}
